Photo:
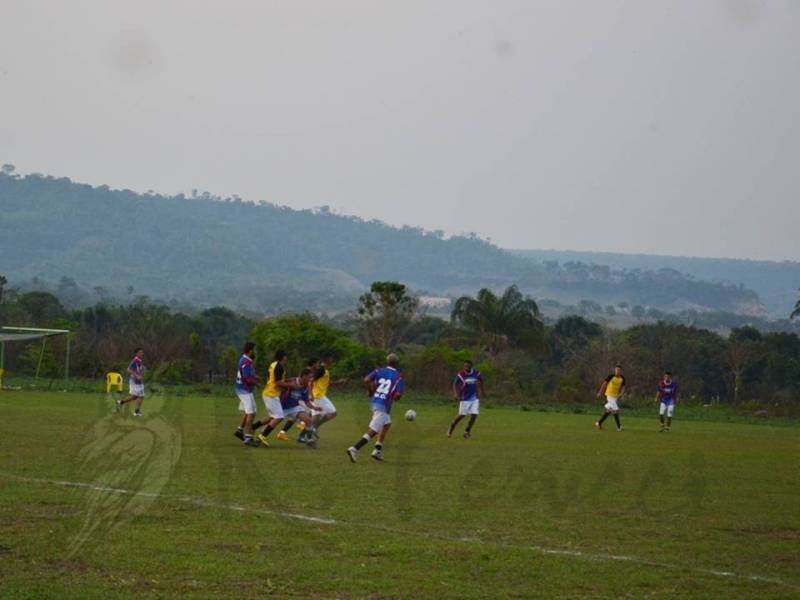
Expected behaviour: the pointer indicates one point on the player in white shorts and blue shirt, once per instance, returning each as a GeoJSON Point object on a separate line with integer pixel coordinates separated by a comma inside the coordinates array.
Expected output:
{"type": "Point", "coordinates": [244, 385]}
{"type": "Point", "coordinates": [613, 387]}
{"type": "Point", "coordinates": [385, 386]}
{"type": "Point", "coordinates": [466, 385]}
{"type": "Point", "coordinates": [135, 383]}
{"type": "Point", "coordinates": [667, 396]}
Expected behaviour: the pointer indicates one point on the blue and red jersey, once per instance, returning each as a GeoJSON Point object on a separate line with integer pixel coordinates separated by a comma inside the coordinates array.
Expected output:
{"type": "Point", "coordinates": [245, 375]}
{"type": "Point", "coordinates": [389, 384]}
{"type": "Point", "coordinates": [291, 397]}
{"type": "Point", "coordinates": [467, 384]}
{"type": "Point", "coordinates": [667, 392]}
{"type": "Point", "coordinates": [137, 367]}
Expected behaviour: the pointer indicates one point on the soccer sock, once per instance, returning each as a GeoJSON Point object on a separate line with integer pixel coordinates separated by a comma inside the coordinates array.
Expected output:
{"type": "Point", "coordinates": [267, 430]}
{"type": "Point", "coordinates": [288, 426]}
{"type": "Point", "coordinates": [256, 425]}
{"type": "Point", "coordinates": [616, 418]}
{"type": "Point", "coordinates": [362, 442]}
{"type": "Point", "coordinates": [669, 421]}
{"type": "Point", "coordinates": [240, 428]}
{"type": "Point", "coordinates": [378, 445]}
{"type": "Point", "coordinates": [604, 417]}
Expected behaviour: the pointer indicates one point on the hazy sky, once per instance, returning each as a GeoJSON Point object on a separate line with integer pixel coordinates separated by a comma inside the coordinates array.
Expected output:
{"type": "Point", "coordinates": [666, 127]}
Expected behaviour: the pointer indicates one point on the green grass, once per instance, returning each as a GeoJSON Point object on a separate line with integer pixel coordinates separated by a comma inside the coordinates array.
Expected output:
{"type": "Point", "coordinates": [537, 504]}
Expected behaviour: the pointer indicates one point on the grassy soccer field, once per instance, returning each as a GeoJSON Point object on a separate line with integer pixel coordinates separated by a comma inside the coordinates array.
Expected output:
{"type": "Point", "coordinates": [535, 505]}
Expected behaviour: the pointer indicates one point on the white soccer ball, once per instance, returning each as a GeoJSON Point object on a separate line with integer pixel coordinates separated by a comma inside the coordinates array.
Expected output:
{"type": "Point", "coordinates": [411, 415]}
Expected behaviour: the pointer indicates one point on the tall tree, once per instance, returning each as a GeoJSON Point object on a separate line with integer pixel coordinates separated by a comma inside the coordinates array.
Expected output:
{"type": "Point", "coordinates": [501, 320]}
{"type": "Point", "coordinates": [3, 282]}
{"type": "Point", "coordinates": [796, 311]}
{"type": "Point", "coordinates": [385, 313]}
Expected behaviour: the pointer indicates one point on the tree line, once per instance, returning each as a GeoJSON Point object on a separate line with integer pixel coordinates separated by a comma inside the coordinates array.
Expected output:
{"type": "Point", "coordinates": [524, 359]}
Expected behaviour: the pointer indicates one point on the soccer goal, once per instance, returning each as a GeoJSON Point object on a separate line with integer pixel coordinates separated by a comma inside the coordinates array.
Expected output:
{"type": "Point", "coordinates": [26, 334]}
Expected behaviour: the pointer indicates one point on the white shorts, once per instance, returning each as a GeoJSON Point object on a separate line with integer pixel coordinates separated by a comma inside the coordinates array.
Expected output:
{"type": "Point", "coordinates": [291, 413]}
{"type": "Point", "coordinates": [273, 405]}
{"type": "Point", "coordinates": [379, 420]}
{"type": "Point", "coordinates": [247, 404]}
{"type": "Point", "coordinates": [326, 407]}
{"type": "Point", "coordinates": [136, 389]}
{"type": "Point", "coordinates": [469, 407]}
{"type": "Point", "coordinates": [611, 404]}
{"type": "Point", "coordinates": [669, 409]}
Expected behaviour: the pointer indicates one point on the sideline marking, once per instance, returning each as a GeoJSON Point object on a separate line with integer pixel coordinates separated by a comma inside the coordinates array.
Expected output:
{"type": "Point", "coordinates": [205, 502]}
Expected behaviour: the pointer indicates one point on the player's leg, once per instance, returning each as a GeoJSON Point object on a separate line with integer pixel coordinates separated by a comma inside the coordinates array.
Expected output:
{"type": "Point", "coordinates": [473, 415]}
{"type": "Point", "coordinates": [603, 417]}
{"type": "Point", "coordinates": [282, 434]}
{"type": "Point", "coordinates": [138, 410]}
{"type": "Point", "coordinates": [670, 412]}
{"type": "Point", "coordinates": [377, 453]}
{"type": "Point", "coordinates": [616, 419]}
{"type": "Point", "coordinates": [379, 419]}
{"type": "Point", "coordinates": [662, 409]}
{"type": "Point", "coordinates": [463, 410]}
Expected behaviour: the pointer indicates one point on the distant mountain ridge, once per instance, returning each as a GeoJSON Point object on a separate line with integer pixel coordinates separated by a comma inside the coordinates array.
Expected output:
{"type": "Point", "coordinates": [776, 283]}
{"type": "Point", "coordinates": [204, 250]}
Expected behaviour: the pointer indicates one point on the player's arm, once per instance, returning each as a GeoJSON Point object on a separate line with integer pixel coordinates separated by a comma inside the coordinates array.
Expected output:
{"type": "Point", "coordinates": [456, 390]}
{"type": "Point", "coordinates": [601, 392]}
{"type": "Point", "coordinates": [369, 383]}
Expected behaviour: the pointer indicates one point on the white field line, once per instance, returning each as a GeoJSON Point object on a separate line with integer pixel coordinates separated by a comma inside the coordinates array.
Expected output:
{"type": "Point", "coordinates": [205, 502]}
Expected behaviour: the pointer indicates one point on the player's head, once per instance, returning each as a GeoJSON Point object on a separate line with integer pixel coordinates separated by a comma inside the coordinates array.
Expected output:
{"type": "Point", "coordinates": [392, 360]}
{"type": "Point", "coordinates": [139, 352]}
{"type": "Point", "coordinates": [280, 356]}
{"type": "Point", "coordinates": [468, 365]}
{"type": "Point", "coordinates": [617, 369]}
{"type": "Point", "coordinates": [667, 376]}
{"type": "Point", "coordinates": [305, 374]}
{"type": "Point", "coordinates": [249, 349]}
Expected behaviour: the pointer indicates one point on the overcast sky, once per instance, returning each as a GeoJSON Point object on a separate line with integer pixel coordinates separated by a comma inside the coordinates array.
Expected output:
{"type": "Point", "coordinates": [665, 127]}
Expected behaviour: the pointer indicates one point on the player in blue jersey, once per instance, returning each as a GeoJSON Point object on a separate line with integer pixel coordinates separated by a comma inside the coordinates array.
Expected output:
{"type": "Point", "coordinates": [245, 383]}
{"type": "Point", "coordinates": [294, 406]}
{"type": "Point", "coordinates": [466, 386]}
{"type": "Point", "coordinates": [135, 383]}
{"type": "Point", "coordinates": [385, 386]}
{"type": "Point", "coordinates": [667, 396]}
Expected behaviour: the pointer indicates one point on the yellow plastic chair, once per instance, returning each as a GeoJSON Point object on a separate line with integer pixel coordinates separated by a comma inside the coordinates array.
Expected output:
{"type": "Point", "coordinates": [113, 380]}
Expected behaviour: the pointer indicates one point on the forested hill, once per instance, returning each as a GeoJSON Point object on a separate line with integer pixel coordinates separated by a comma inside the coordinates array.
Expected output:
{"type": "Point", "coordinates": [173, 246]}
{"type": "Point", "coordinates": [775, 282]}
{"type": "Point", "coordinates": [204, 250]}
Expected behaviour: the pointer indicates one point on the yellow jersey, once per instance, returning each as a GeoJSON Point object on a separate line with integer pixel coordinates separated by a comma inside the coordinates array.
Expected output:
{"type": "Point", "coordinates": [319, 389]}
{"type": "Point", "coordinates": [614, 385]}
{"type": "Point", "coordinates": [275, 373]}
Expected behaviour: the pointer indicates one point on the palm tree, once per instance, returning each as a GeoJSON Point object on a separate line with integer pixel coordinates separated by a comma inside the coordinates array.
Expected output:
{"type": "Point", "coordinates": [510, 319]}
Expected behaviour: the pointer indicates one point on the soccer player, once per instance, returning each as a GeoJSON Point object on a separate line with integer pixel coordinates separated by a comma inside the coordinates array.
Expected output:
{"type": "Point", "coordinates": [293, 394]}
{"type": "Point", "coordinates": [283, 433]}
{"type": "Point", "coordinates": [466, 385]}
{"type": "Point", "coordinates": [319, 392]}
{"type": "Point", "coordinates": [613, 387]}
{"type": "Point", "coordinates": [276, 374]}
{"type": "Point", "coordinates": [668, 397]}
{"type": "Point", "coordinates": [135, 383]}
{"type": "Point", "coordinates": [244, 384]}
{"type": "Point", "coordinates": [385, 385]}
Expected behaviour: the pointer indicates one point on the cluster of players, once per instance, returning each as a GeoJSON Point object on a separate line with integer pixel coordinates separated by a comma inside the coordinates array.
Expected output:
{"type": "Point", "coordinates": [303, 399]}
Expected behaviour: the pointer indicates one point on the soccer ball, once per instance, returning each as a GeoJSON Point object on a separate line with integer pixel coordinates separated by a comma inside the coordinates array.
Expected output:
{"type": "Point", "coordinates": [411, 415]}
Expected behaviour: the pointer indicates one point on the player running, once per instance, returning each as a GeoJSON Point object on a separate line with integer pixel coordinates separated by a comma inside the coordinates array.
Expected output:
{"type": "Point", "coordinates": [271, 394]}
{"type": "Point", "coordinates": [385, 386]}
{"type": "Point", "coordinates": [135, 383]}
{"type": "Point", "coordinates": [245, 382]}
{"type": "Point", "coordinates": [668, 397]}
{"type": "Point", "coordinates": [282, 435]}
{"type": "Point", "coordinates": [613, 387]}
{"type": "Point", "coordinates": [466, 385]}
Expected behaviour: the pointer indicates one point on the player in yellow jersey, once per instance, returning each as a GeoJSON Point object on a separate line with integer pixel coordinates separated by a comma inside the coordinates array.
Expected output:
{"type": "Point", "coordinates": [276, 383]}
{"type": "Point", "coordinates": [613, 387]}
{"type": "Point", "coordinates": [324, 409]}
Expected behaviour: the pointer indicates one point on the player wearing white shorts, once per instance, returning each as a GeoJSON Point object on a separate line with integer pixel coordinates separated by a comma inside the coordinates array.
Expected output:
{"type": "Point", "coordinates": [271, 395]}
{"type": "Point", "coordinates": [466, 385]}
{"type": "Point", "coordinates": [385, 386]}
{"type": "Point", "coordinates": [244, 385]}
{"type": "Point", "coordinates": [294, 406]}
{"type": "Point", "coordinates": [135, 383]}
{"type": "Point", "coordinates": [321, 381]}
{"type": "Point", "coordinates": [667, 397]}
{"type": "Point", "coordinates": [612, 387]}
